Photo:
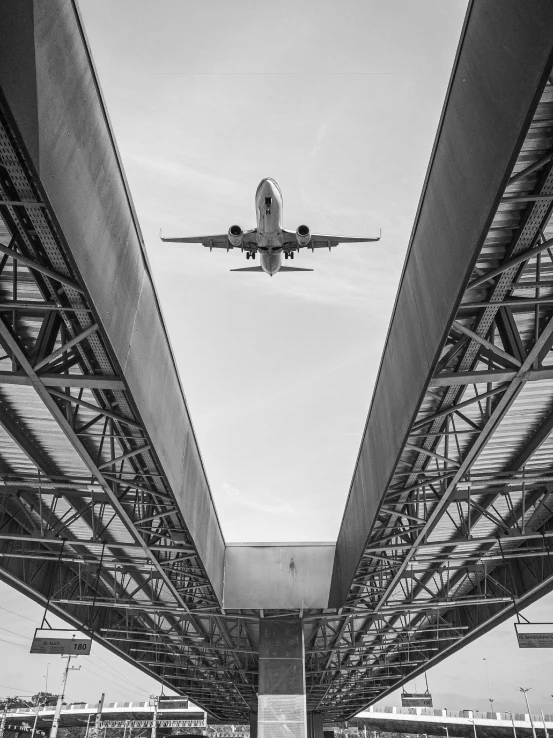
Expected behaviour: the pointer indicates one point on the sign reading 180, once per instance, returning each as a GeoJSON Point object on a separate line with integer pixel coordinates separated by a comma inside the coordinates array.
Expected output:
{"type": "Point", "coordinates": [61, 642]}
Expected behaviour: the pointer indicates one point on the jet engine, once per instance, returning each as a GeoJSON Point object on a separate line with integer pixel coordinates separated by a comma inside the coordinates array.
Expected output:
{"type": "Point", "coordinates": [235, 235]}
{"type": "Point", "coordinates": [303, 235]}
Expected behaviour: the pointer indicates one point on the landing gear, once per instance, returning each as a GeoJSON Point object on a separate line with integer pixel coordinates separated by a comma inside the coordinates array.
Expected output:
{"type": "Point", "coordinates": [253, 254]}
{"type": "Point", "coordinates": [247, 254]}
{"type": "Point", "coordinates": [291, 254]}
{"type": "Point", "coordinates": [285, 254]}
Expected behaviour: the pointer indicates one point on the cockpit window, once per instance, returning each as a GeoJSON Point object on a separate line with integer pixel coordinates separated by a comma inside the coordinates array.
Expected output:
{"type": "Point", "coordinates": [268, 201]}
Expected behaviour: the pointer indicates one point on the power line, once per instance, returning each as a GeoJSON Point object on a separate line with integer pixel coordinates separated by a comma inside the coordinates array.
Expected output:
{"type": "Point", "coordinates": [15, 634]}
{"type": "Point", "coordinates": [5, 686]}
{"type": "Point", "coordinates": [128, 681]}
{"type": "Point", "coordinates": [19, 615]}
{"type": "Point", "coordinates": [13, 643]}
{"type": "Point", "coordinates": [87, 667]}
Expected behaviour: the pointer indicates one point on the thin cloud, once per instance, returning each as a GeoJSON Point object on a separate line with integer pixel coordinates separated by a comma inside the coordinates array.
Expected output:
{"type": "Point", "coordinates": [270, 503]}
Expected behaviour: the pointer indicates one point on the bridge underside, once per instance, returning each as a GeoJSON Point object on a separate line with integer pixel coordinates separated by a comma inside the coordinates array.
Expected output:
{"type": "Point", "coordinates": [105, 512]}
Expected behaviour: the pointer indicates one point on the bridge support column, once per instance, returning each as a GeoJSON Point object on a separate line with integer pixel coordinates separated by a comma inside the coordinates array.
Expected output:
{"type": "Point", "coordinates": [281, 697]}
{"type": "Point", "coordinates": [253, 724]}
{"type": "Point", "coordinates": [315, 725]}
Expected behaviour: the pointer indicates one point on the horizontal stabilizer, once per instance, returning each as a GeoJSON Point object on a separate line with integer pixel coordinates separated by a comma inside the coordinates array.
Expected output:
{"type": "Point", "coordinates": [294, 269]}
{"type": "Point", "coordinates": [248, 269]}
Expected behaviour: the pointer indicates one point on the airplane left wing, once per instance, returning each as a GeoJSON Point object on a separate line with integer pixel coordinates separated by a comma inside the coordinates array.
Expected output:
{"type": "Point", "coordinates": [218, 241]}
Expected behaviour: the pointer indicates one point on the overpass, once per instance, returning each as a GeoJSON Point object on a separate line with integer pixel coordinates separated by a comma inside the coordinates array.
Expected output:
{"type": "Point", "coordinates": [106, 514]}
{"type": "Point", "coordinates": [134, 714]}
{"type": "Point", "coordinates": [444, 723]}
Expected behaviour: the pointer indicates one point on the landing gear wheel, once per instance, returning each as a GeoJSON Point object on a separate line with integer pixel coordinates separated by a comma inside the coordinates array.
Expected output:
{"type": "Point", "coordinates": [285, 254]}
{"type": "Point", "coordinates": [247, 254]}
{"type": "Point", "coordinates": [253, 254]}
{"type": "Point", "coordinates": [291, 254]}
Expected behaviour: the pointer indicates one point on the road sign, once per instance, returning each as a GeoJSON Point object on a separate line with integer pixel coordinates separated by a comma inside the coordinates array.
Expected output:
{"type": "Point", "coordinates": [416, 699]}
{"type": "Point", "coordinates": [534, 635]}
{"type": "Point", "coordinates": [172, 703]}
{"type": "Point", "coordinates": [61, 642]}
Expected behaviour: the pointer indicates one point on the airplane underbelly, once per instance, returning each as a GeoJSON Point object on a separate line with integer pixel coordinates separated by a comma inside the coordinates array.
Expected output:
{"type": "Point", "coordinates": [271, 263]}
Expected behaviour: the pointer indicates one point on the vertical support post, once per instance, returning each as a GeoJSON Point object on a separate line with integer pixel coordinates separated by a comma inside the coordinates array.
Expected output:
{"type": "Point", "coordinates": [281, 698]}
{"type": "Point", "coordinates": [315, 725]}
{"type": "Point", "coordinates": [253, 724]}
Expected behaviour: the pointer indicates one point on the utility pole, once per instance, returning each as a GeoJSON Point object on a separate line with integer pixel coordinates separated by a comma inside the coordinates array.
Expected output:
{"type": "Point", "coordinates": [59, 703]}
{"type": "Point", "coordinates": [523, 690]}
{"type": "Point", "coordinates": [154, 702]}
{"type": "Point", "coordinates": [3, 721]}
{"type": "Point", "coordinates": [96, 728]}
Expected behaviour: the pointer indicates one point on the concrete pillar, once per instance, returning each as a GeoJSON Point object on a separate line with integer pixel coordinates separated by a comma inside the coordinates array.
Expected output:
{"type": "Point", "coordinates": [281, 696]}
{"type": "Point", "coordinates": [253, 724]}
{"type": "Point", "coordinates": [315, 725]}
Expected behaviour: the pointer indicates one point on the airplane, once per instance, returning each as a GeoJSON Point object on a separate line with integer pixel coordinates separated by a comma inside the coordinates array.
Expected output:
{"type": "Point", "coordinates": [270, 239]}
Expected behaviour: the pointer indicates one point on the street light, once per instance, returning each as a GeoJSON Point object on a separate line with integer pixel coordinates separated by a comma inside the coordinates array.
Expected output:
{"type": "Point", "coordinates": [47, 667]}
{"type": "Point", "coordinates": [490, 698]}
{"type": "Point", "coordinates": [523, 690]}
{"type": "Point", "coordinates": [444, 727]}
{"type": "Point", "coordinates": [513, 722]}
{"type": "Point", "coordinates": [36, 709]}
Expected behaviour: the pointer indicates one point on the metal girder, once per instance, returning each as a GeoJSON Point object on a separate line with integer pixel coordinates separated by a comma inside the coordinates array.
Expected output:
{"type": "Point", "coordinates": [461, 533]}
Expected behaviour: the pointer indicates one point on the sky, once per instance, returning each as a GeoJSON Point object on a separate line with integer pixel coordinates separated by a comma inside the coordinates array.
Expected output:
{"type": "Point", "coordinates": [340, 103]}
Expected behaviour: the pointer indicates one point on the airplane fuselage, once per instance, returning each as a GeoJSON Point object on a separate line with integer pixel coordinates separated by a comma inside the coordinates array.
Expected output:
{"type": "Point", "coordinates": [268, 209]}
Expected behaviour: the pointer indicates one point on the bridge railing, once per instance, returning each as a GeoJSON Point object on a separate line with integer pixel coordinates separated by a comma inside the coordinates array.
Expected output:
{"type": "Point", "coordinates": [470, 714]}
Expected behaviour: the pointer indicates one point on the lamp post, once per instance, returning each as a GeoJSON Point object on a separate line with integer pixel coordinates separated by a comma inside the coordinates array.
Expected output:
{"type": "Point", "coordinates": [523, 690]}
{"type": "Point", "coordinates": [513, 723]}
{"type": "Point", "coordinates": [546, 732]}
{"type": "Point", "coordinates": [47, 667]}
{"type": "Point", "coordinates": [446, 730]}
{"type": "Point", "coordinates": [490, 698]}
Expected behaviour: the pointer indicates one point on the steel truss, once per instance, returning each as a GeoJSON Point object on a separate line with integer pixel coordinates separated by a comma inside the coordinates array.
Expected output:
{"type": "Point", "coordinates": [88, 521]}
{"type": "Point", "coordinates": [464, 535]}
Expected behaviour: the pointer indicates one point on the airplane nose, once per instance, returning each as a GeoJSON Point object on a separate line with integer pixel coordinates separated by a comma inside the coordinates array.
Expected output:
{"type": "Point", "coordinates": [268, 188]}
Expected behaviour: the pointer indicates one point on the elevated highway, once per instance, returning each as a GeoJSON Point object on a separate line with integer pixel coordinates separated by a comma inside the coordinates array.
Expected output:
{"type": "Point", "coordinates": [81, 715]}
{"type": "Point", "coordinates": [106, 516]}
{"type": "Point", "coordinates": [443, 723]}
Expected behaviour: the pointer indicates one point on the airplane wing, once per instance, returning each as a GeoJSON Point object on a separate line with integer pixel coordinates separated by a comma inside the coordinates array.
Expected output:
{"type": "Point", "coordinates": [219, 240]}
{"type": "Point", "coordinates": [319, 241]}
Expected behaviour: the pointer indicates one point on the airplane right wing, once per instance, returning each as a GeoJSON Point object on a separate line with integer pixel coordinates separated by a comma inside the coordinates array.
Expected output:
{"type": "Point", "coordinates": [318, 241]}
